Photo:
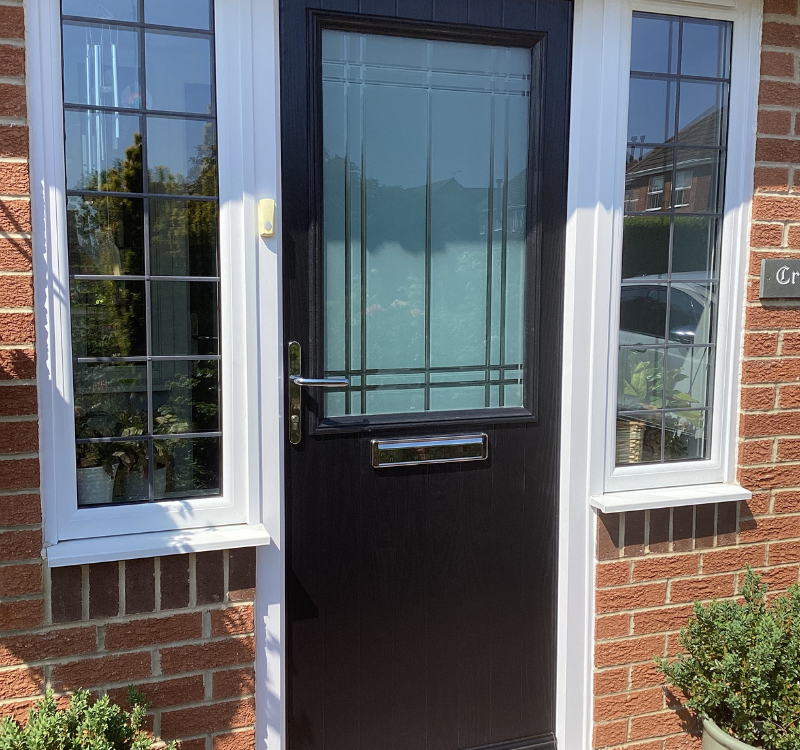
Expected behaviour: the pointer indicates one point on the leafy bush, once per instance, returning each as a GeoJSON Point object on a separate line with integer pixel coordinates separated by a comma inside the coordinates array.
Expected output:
{"type": "Point", "coordinates": [82, 726]}
{"type": "Point", "coordinates": [741, 668]}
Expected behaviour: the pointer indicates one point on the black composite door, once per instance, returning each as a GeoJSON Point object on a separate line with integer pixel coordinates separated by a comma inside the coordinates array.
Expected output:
{"type": "Point", "coordinates": [424, 156]}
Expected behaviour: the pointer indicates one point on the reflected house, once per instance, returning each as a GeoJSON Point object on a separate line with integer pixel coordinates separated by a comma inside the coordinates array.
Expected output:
{"type": "Point", "coordinates": [649, 178]}
{"type": "Point", "coordinates": [517, 207]}
{"type": "Point", "coordinates": [458, 213]}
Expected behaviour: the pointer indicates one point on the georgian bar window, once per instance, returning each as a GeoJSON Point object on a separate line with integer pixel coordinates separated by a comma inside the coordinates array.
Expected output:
{"type": "Point", "coordinates": [677, 140]}
{"type": "Point", "coordinates": [142, 223]}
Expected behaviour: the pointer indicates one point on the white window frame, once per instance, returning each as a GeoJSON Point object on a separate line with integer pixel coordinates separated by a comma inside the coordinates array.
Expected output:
{"type": "Point", "coordinates": [682, 190]}
{"type": "Point", "coordinates": [720, 466]}
{"type": "Point", "coordinates": [653, 190]}
{"type": "Point", "coordinates": [233, 519]}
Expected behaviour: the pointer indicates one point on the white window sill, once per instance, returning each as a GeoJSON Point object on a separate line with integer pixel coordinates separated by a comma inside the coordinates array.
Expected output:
{"type": "Point", "coordinates": [154, 544]}
{"type": "Point", "coordinates": [669, 497]}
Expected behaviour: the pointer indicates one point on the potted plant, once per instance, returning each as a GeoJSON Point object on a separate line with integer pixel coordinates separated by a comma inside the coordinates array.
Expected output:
{"type": "Point", "coordinates": [96, 462]}
{"type": "Point", "coordinates": [97, 467]}
{"type": "Point", "coordinates": [741, 669]}
{"type": "Point", "coordinates": [645, 385]}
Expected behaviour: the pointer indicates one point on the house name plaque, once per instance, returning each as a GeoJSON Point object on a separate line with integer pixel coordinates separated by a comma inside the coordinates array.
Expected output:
{"type": "Point", "coordinates": [780, 278]}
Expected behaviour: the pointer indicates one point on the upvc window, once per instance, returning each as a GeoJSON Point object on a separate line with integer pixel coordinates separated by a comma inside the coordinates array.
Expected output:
{"type": "Point", "coordinates": [678, 104]}
{"type": "Point", "coordinates": [662, 218]}
{"type": "Point", "coordinates": [146, 425]}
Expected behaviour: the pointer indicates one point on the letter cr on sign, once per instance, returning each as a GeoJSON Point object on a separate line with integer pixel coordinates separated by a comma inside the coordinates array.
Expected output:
{"type": "Point", "coordinates": [780, 278]}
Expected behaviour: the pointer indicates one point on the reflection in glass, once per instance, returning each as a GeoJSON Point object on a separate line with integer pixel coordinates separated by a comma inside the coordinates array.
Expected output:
{"type": "Point", "coordinates": [189, 14]}
{"type": "Point", "coordinates": [186, 467]}
{"type": "Point", "coordinates": [702, 115]}
{"type": "Point", "coordinates": [185, 396]}
{"type": "Point", "coordinates": [654, 44]}
{"type": "Point", "coordinates": [110, 472]}
{"type": "Point", "coordinates": [669, 258]}
{"type": "Point", "coordinates": [639, 437]}
{"type": "Point", "coordinates": [105, 235]}
{"type": "Point", "coordinates": [101, 65]}
{"type": "Point", "coordinates": [706, 48]}
{"type": "Point", "coordinates": [640, 379]}
{"type": "Point", "coordinates": [706, 166]}
{"type": "Point", "coordinates": [187, 87]}
{"type": "Point", "coordinates": [651, 110]}
{"type": "Point", "coordinates": [645, 246]}
{"type": "Point", "coordinates": [108, 318]}
{"type": "Point", "coordinates": [182, 156]}
{"type": "Point", "coordinates": [694, 242]}
{"type": "Point", "coordinates": [184, 317]}
{"type": "Point", "coordinates": [425, 206]}
{"type": "Point", "coordinates": [104, 151]}
{"type": "Point", "coordinates": [691, 313]}
{"type": "Point", "coordinates": [110, 398]}
{"type": "Point", "coordinates": [108, 10]}
{"type": "Point", "coordinates": [685, 435]}
{"type": "Point", "coordinates": [183, 237]}
{"type": "Point", "coordinates": [127, 396]}
{"type": "Point", "coordinates": [648, 178]}
{"type": "Point", "coordinates": [686, 377]}
{"type": "Point", "coordinates": [643, 314]}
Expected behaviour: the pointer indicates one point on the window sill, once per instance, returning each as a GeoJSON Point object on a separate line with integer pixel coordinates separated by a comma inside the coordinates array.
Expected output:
{"type": "Point", "coordinates": [669, 497]}
{"type": "Point", "coordinates": [154, 544]}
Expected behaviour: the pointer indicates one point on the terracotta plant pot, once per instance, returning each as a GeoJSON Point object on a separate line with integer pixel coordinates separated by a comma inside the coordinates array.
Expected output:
{"type": "Point", "coordinates": [715, 738]}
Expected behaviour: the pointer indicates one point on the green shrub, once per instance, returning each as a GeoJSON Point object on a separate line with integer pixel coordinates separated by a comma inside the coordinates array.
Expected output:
{"type": "Point", "coordinates": [101, 725]}
{"type": "Point", "coordinates": [741, 668]}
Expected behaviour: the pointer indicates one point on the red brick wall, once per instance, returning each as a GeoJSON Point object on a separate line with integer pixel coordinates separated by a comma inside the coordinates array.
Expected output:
{"type": "Point", "coordinates": [179, 627]}
{"type": "Point", "coordinates": [652, 565]}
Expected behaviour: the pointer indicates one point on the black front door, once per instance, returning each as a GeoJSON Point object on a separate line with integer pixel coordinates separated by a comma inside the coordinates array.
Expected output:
{"type": "Point", "coordinates": [424, 147]}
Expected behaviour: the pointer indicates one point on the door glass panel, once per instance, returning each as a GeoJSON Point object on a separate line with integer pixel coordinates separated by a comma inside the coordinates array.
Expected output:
{"type": "Point", "coordinates": [425, 206]}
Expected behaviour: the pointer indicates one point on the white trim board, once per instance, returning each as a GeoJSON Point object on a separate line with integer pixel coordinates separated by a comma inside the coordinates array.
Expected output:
{"type": "Point", "coordinates": [669, 497]}
{"type": "Point", "coordinates": [154, 544]}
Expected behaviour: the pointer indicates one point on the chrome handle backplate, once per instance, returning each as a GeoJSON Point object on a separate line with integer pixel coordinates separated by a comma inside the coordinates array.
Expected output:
{"type": "Point", "coordinates": [296, 384]}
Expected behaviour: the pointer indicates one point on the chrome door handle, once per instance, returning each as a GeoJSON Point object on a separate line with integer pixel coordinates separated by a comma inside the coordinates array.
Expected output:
{"type": "Point", "coordinates": [319, 382]}
{"type": "Point", "coordinates": [296, 383]}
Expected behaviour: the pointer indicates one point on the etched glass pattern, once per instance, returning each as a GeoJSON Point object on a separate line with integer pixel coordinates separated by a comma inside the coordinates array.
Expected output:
{"type": "Point", "coordinates": [676, 154]}
{"type": "Point", "coordinates": [425, 206]}
{"type": "Point", "coordinates": [142, 226]}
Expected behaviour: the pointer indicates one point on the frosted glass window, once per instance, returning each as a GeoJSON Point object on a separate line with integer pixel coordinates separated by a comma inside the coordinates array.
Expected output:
{"type": "Point", "coordinates": [425, 207]}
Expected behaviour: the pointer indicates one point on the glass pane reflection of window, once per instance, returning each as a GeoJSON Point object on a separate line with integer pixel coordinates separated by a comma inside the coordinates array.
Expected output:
{"type": "Point", "coordinates": [425, 210]}
{"type": "Point", "coordinates": [142, 244]}
{"type": "Point", "coordinates": [676, 155]}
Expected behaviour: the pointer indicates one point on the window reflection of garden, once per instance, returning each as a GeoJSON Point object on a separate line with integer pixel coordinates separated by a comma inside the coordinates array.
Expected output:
{"type": "Point", "coordinates": [106, 237]}
{"type": "Point", "coordinates": [462, 310]}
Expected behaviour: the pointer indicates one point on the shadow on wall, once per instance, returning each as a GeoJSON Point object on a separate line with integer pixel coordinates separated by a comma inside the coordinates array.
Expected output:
{"type": "Point", "coordinates": [683, 529]}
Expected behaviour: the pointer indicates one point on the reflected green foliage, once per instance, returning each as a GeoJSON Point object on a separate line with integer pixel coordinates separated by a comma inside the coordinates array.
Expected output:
{"type": "Point", "coordinates": [192, 465]}
{"type": "Point", "coordinates": [645, 246]}
{"type": "Point", "coordinates": [105, 235]}
{"type": "Point", "coordinates": [202, 176]}
{"type": "Point", "coordinates": [183, 237]}
{"type": "Point", "coordinates": [108, 318]}
{"type": "Point", "coordinates": [193, 401]}
{"type": "Point", "coordinates": [85, 724]}
{"type": "Point", "coordinates": [124, 177]}
{"type": "Point", "coordinates": [741, 665]}
{"type": "Point", "coordinates": [645, 384]}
